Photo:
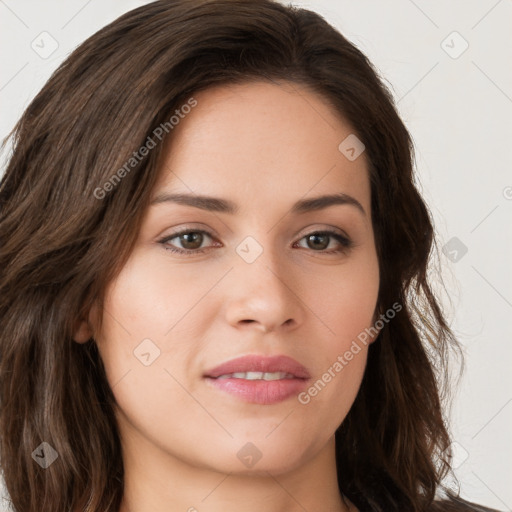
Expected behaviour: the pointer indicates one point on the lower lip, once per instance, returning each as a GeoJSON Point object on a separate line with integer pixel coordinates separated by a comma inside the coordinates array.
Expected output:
{"type": "Point", "coordinates": [264, 392]}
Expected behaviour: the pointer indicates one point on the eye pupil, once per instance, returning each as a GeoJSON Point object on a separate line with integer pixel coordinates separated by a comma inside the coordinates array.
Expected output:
{"type": "Point", "coordinates": [315, 237]}
{"type": "Point", "coordinates": [191, 238]}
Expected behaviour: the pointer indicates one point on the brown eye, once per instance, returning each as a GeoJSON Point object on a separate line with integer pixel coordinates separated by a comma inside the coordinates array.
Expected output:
{"type": "Point", "coordinates": [191, 240]}
{"type": "Point", "coordinates": [318, 241]}
{"type": "Point", "coordinates": [187, 242]}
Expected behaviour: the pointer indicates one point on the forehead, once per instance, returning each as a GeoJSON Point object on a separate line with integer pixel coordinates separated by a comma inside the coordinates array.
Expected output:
{"type": "Point", "coordinates": [262, 140]}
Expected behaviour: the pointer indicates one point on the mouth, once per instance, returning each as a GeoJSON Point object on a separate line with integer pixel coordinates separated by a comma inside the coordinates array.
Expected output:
{"type": "Point", "coordinates": [259, 379]}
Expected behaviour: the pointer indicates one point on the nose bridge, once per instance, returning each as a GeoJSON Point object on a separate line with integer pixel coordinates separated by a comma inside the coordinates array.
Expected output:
{"type": "Point", "coordinates": [261, 286]}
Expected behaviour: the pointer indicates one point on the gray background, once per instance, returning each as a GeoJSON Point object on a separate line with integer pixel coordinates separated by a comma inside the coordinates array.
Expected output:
{"type": "Point", "coordinates": [449, 68]}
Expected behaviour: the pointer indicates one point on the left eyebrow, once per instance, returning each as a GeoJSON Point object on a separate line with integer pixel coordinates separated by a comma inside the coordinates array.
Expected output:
{"type": "Point", "coordinates": [215, 204]}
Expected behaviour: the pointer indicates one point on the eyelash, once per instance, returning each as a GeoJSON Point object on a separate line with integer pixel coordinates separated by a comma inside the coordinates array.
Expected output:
{"type": "Point", "coordinates": [346, 243]}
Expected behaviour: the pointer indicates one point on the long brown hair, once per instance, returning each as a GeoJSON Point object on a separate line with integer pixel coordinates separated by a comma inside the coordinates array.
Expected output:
{"type": "Point", "coordinates": [65, 233]}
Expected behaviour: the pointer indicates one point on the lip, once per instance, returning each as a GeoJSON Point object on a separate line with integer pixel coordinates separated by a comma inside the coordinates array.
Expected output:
{"type": "Point", "coordinates": [257, 363]}
{"type": "Point", "coordinates": [259, 391]}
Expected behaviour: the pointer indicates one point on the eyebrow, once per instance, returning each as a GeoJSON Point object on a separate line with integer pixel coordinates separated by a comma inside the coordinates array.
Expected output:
{"type": "Point", "coordinates": [215, 204]}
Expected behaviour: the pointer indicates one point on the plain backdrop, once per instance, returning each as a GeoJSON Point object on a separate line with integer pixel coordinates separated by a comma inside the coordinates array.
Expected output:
{"type": "Point", "coordinates": [448, 66]}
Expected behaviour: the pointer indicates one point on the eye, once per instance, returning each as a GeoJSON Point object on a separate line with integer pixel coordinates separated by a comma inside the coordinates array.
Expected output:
{"type": "Point", "coordinates": [320, 240]}
{"type": "Point", "coordinates": [192, 240]}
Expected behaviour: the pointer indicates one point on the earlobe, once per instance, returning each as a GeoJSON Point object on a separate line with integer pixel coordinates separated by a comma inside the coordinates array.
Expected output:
{"type": "Point", "coordinates": [374, 338]}
{"type": "Point", "coordinates": [83, 331]}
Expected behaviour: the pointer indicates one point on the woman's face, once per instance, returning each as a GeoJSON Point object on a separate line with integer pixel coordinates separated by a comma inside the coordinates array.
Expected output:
{"type": "Point", "coordinates": [257, 284]}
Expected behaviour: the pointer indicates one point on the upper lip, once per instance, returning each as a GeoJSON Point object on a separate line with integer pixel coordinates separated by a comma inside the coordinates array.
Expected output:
{"type": "Point", "coordinates": [259, 363]}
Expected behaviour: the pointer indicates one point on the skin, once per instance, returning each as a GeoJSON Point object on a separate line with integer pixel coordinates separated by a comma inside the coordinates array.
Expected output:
{"type": "Point", "coordinates": [263, 146]}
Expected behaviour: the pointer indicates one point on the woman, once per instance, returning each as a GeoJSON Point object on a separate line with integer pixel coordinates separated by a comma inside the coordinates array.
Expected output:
{"type": "Point", "coordinates": [214, 291]}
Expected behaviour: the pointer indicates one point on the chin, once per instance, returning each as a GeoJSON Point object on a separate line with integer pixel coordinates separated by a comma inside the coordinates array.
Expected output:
{"type": "Point", "coordinates": [254, 459]}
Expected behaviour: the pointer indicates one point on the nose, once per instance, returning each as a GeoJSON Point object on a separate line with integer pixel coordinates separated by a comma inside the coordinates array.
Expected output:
{"type": "Point", "coordinates": [261, 296]}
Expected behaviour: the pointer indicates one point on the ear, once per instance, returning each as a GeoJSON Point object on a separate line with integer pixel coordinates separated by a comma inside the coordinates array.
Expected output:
{"type": "Point", "coordinates": [83, 329]}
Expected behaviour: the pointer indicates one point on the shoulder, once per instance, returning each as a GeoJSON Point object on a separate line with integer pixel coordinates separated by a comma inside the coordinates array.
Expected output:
{"type": "Point", "coordinates": [457, 504]}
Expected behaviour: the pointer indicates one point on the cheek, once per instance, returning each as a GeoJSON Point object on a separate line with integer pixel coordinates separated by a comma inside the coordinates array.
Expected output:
{"type": "Point", "coordinates": [146, 326]}
{"type": "Point", "coordinates": [347, 304]}
{"type": "Point", "coordinates": [332, 392]}
{"type": "Point", "coordinates": [347, 301]}
{"type": "Point", "coordinates": [140, 308]}
{"type": "Point", "coordinates": [149, 299]}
